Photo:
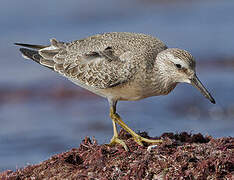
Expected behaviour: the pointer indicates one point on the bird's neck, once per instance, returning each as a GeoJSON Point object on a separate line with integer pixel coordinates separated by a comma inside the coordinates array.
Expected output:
{"type": "Point", "coordinates": [162, 81]}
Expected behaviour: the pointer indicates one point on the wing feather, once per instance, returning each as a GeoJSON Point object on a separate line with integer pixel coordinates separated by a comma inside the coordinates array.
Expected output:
{"type": "Point", "coordinates": [98, 69]}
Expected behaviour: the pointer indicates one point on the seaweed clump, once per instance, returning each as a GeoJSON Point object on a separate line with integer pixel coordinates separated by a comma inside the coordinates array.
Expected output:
{"type": "Point", "coordinates": [180, 156]}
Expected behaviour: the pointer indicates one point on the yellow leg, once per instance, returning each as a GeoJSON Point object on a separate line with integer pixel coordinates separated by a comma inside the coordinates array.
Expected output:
{"type": "Point", "coordinates": [116, 118]}
{"type": "Point", "coordinates": [115, 139]}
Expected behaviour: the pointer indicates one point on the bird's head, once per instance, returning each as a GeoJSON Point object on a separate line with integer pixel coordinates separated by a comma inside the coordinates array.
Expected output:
{"type": "Point", "coordinates": [179, 65]}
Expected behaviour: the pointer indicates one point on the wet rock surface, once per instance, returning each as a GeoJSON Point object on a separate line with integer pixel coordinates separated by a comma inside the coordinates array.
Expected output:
{"type": "Point", "coordinates": [180, 156]}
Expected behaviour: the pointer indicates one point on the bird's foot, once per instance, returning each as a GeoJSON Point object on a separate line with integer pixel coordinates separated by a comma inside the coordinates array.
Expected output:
{"type": "Point", "coordinates": [116, 140]}
{"type": "Point", "coordinates": [140, 139]}
{"type": "Point", "coordinates": [117, 119]}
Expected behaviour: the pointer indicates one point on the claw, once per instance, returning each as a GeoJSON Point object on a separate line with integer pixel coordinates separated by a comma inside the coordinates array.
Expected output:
{"type": "Point", "coordinates": [116, 140]}
{"type": "Point", "coordinates": [140, 139]}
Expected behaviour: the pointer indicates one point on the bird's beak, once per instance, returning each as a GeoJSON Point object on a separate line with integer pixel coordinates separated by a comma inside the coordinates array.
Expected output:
{"type": "Point", "coordinates": [197, 83]}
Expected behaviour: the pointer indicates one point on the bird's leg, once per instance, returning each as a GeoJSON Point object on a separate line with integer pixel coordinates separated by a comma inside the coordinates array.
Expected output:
{"type": "Point", "coordinates": [115, 139]}
{"type": "Point", "coordinates": [115, 129]}
{"type": "Point", "coordinates": [116, 118]}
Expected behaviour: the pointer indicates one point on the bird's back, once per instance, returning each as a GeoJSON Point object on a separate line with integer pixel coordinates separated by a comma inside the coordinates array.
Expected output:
{"type": "Point", "coordinates": [120, 41]}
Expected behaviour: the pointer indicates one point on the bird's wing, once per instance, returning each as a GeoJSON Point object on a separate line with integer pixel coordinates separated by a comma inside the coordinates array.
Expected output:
{"type": "Point", "coordinates": [99, 69]}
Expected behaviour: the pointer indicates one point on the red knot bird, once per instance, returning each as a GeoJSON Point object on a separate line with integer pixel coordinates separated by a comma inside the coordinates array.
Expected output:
{"type": "Point", "coordinates": [119, 66]}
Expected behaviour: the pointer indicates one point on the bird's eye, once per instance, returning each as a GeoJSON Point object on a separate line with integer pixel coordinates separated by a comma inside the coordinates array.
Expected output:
{"type": "Point", "coordinates": [178, 66]}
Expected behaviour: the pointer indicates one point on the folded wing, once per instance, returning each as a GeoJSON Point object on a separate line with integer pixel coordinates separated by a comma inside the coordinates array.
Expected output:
{"type": "Point", "coordinates": [100, 69]}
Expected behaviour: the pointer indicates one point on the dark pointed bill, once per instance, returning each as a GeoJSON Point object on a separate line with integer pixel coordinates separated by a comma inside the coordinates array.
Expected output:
{"type": "Point", "coordinates": [197, 83]}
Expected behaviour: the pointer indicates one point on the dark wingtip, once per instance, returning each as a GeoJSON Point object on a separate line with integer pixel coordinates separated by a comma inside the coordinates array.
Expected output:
{"type": "Point", "coordinates": [32, 46]}
{"type": "Point", "coordinates": [18, 44]}
{"type": "Point", "coordinates": [213, 101]}
{"type": "Point", "coordinates": [22, 44]}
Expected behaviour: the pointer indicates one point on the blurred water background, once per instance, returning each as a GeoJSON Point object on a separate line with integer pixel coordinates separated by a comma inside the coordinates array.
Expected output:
{"type": "Point", "coordinates": [41, 113]}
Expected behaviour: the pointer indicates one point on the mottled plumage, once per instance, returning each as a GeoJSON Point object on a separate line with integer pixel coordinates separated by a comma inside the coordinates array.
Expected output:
{"type": "Point", "coordinates": [119, 66]}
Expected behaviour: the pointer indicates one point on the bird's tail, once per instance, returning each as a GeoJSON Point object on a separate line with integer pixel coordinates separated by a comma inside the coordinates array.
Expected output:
{"type": "Point", "coordinates": [29, 53]}
{"type": "Point", "coordinates": [40, 53]}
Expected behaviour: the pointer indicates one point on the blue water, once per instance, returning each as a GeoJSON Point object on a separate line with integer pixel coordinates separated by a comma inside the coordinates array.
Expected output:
{"type": "Point", "coordinates": [32, 128]}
